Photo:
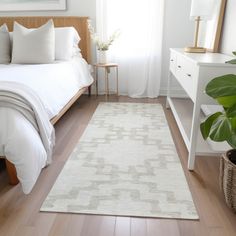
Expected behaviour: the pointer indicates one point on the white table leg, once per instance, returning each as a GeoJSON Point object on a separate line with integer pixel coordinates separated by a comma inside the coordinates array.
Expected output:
{"type": "Point", "coordinates": [168, 89]}
{"type": "Point", "coordinates": [194, 135]}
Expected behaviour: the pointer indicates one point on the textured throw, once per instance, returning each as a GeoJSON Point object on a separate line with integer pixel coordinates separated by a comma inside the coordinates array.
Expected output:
{"type": "Point", "coordinates": [125, 164]}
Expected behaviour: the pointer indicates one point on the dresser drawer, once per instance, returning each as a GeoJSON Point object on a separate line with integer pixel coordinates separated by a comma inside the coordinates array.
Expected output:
{"type": "Point", "coordinates": [173, 58]}
{"type": "Point", "coordinates": [186, 73]}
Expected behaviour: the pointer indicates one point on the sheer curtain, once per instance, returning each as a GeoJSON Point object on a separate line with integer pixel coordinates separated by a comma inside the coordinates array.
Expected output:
{"type": "Point", "coordinates": [139, 47]}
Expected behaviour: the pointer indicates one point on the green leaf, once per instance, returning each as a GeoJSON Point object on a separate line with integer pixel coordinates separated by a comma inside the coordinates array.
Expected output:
{"type": "Point", "coordinates": [221, 129]}
{"type": "Point", "coordinates": [232, 141]}
{"type": "Point", "coordinates": [234, 53]}
{"type": "Point", "coordinates": [205, 126]}
{"type": "Point", "coordinates": [233, 123]}
{"type": "Point", "coordinates": [231, 111]}
{"type": "Point", "coordinates": [222, 86]}
{"type": "Point", "coordinates": [227, 101]}
{"type": "Point", "coordinates": [233, 61]}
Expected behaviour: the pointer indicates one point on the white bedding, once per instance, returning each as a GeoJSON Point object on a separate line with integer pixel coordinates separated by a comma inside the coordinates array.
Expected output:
{"type": "Point", "coordinates": [55, 84]}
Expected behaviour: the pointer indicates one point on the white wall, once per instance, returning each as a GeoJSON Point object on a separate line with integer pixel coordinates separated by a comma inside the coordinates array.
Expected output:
{"type": "Point", "coordinates": [178, 33]}
{"type": "Point", "coordinates": [178, 29]}
{"type": "Point", "coordinates": [229, 29]}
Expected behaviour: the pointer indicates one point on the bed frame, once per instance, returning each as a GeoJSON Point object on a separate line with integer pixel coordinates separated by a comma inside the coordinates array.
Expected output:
{"type": "Point", "coordinates": [80, 24]}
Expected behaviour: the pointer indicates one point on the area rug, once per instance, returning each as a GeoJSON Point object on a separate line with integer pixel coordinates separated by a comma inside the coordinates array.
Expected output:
{"type": "Point", "coordinates": [125, 164]}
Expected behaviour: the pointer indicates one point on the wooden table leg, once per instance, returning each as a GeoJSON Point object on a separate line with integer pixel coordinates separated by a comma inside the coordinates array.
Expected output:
{"type": "Point", "coordinates": [96, 79]}
{"type": "Point", "coordinates": [11, 170]}
{"type": "Point", "coordinates": [108, 71]}
{"type": "Point", "coordinates": [106, 82]}
{"type": "Point", "coordinates": [117, 82]}
{"type": "Point", "coordinates": [89, 91]}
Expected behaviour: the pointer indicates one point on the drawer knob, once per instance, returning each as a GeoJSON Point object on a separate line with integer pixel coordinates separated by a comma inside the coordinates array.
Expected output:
{"type": "Point", "coordinates": [172, 60]}
{"type": "Point", "coordinates": [189, 75]}
{"type": "Point", "coordinates": [179, 66]}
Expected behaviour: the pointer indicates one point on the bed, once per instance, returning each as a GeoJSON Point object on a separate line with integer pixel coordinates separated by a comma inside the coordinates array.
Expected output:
{"type": "Point", "coordinates": [55, 105]}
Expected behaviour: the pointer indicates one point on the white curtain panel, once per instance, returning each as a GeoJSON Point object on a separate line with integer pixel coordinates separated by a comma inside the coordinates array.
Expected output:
{"type": "Point", "coordinates": [138, 50]}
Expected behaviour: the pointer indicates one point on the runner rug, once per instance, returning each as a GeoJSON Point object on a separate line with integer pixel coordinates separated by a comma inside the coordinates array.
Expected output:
{"type": "Point", "coordinates": [125, 164]}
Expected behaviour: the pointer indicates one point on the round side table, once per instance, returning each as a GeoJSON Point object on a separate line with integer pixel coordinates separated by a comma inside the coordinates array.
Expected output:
{"type": "Point", "coordinates": [107, 67]}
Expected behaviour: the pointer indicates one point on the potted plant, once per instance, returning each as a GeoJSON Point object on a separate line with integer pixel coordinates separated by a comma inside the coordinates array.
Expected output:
{"type": "Point", "coordinates": [102, 45]}
{"type": "Point", "coordinates": [221, 126]}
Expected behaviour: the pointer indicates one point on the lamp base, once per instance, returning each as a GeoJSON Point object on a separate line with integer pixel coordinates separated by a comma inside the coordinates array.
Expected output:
{"type": "Point", "coordinates": [195, 50]}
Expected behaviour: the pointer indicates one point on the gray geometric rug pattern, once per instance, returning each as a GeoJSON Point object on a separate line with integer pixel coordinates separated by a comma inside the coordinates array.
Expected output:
{"type": "Point", "coordinates": [125, 164]}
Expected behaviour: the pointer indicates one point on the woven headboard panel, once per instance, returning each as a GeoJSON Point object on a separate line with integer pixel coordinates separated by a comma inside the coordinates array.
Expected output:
{"type": "Point", "coordinates": [80, 24]}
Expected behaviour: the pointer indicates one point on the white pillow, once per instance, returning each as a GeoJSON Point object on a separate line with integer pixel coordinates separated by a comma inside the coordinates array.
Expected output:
{"type": "Point", "coordinates": [32, 46]}
{"type": "Point", "coordinates": [5, 45]}
{"type": "Point", "coordinates": [66, 41]}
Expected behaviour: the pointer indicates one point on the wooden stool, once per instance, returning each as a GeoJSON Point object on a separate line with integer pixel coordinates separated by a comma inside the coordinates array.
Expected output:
{"type": "Point", "coordinates": [107, 68]}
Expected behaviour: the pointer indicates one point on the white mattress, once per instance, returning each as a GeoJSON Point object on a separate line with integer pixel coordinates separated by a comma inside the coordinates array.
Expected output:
{"type": "Point", "coordinates": [54, 83]}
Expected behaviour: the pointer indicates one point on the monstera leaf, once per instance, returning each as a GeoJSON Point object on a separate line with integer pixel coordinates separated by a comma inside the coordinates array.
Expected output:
{"type": "Point", "coordinates": [223, 89]}
{"type": "Point", "coordinates": [206, 126]}
{"type": "Point", "coordinates": [221, 126]}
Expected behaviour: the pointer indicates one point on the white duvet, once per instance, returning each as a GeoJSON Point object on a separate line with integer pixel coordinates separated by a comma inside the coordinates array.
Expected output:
{"type": "Point", "coordinates": [55, 84]}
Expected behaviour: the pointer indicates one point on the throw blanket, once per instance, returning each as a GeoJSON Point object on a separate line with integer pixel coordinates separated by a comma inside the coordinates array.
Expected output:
{"type": "Point", "coordinates": [22, 99]}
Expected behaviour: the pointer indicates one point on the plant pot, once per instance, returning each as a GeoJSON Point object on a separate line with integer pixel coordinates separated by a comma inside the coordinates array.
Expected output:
{"type": "Point", "coordinates": [228, 178]}
{"type": "Point", "coordinates": [102, 57]}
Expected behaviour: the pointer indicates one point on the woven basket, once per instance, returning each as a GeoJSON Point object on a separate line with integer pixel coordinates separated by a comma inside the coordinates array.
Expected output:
{"type": "Point", "coordinates": [228, 180]}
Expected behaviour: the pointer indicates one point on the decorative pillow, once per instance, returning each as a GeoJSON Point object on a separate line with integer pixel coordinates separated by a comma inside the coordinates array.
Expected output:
{"type": "Point", "coordinates": [33, 46]}
{"type": "Point", "coordinates": [5, 45]}
{"type": "Point", "coordinates": [66, 41]}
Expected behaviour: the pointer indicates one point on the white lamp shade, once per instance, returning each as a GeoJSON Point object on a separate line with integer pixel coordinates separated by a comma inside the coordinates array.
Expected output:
{"type": "Point", "coordinates": [202, 8]}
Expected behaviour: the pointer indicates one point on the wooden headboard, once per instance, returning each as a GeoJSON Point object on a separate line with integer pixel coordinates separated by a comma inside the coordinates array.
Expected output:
{"type": "Point", "coordinates": [80, 24]}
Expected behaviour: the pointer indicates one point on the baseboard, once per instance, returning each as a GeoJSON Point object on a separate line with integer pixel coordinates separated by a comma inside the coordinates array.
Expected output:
{"type": "Point", "coordinates": [175, 92]}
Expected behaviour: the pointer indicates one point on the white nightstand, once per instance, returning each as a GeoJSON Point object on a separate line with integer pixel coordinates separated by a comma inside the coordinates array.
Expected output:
{"type": "Point", "coordinates": [193, 71]}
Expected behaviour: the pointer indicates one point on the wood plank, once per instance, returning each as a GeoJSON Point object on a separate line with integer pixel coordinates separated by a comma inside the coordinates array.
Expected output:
{"type": "Point", "coordinates": [43, 223]}
{"type": "Point", "coordinates": [122, 226]}
{"type": "Point", "coordinates": [162, 227]}
{"type": "Point", "coordinates": [91, 225]}
{"type": "Point", "coordinates": [107, 227]}
{"type": "Point", "coordinates": [138, 227]}
{"type": "Point", "coordinates": [75, 225]}
{"type": "Point", "coordinates": [27, 231]}
{"type": "Point", "coordinates": [60, 225]}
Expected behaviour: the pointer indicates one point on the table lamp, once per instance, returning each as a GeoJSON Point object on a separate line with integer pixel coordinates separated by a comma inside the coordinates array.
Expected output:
{"type": "Point", "coordinates": [201, 10]}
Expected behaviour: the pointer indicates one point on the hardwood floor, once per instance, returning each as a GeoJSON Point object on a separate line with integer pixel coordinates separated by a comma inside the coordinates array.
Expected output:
{"type": "Point", "coordinates": [19, 214]}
